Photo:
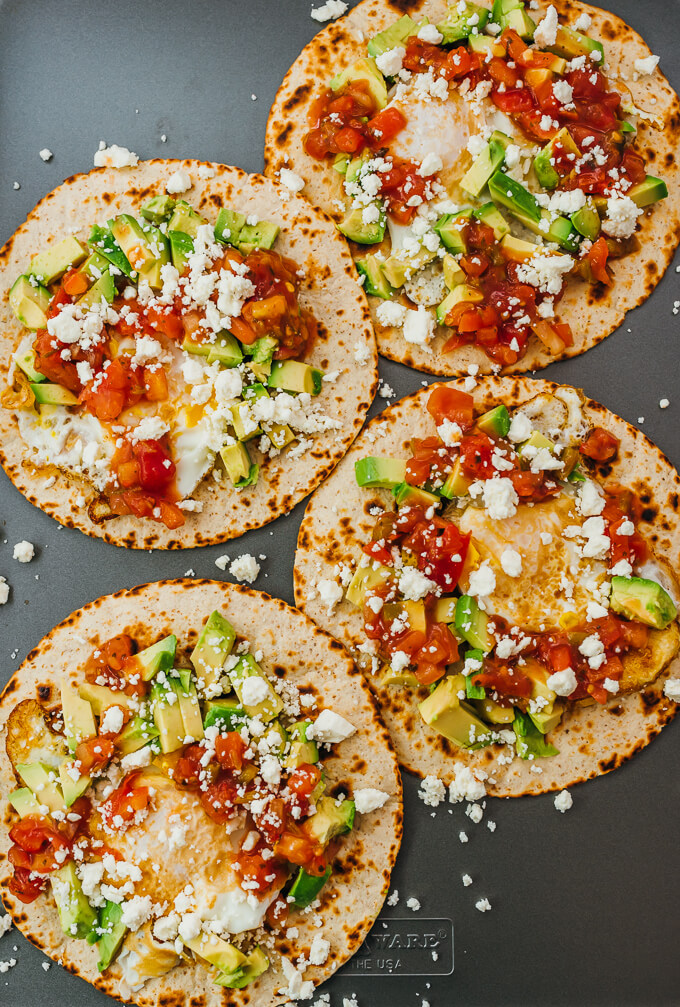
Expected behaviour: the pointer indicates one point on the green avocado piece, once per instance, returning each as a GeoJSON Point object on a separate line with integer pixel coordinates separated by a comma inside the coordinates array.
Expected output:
{"type": "Point", "coordinates": [356, 229]}
{"type": "Point", "coordinates": [396, 35]}
{"type": "Point", "coordinates": [229, 225]}
{"type": "Point", "coordinates": [367, 578]}
{"type": "Point", "coordinates": [255, 965]}
{"type": "Point", "coordinates": [260, 235]}
{"type": "Point", "coordinates": [47, 394]}
{"type": "Point", "coordinates": [303, 751]}
{"type": "Point", "coordinates": [158, 209]}
{"type": "Point", "coordinates": [213, 647]}
{"type": "Point", "coordinates": [529, 740]}
{"type": "Point", "coordinates": [294, 376]}
{"type": "Point", "coordinates": [643, 600]}
{"type": "Point", "coordinates": [375, 282]}
{"type": "Point", "coordinates": [226, 351]}
{"type": "Point", "coordinates": [49, 265]}
{"type": "Point", "coordinates": [587, 222]}
{"type": "Point", "coordinates": [236, 461]}
{"type": "Point", "coordinates": [93, 267]}
{"type": "Point", "coordinates": [330, 820]}
{"type": "Point", "coordinates": [160, 246]}
{"type": "Point", "coordinates": [457, 483]}
{"type": "Point", "coordinates": [495, 421]}
{"type": "Point", "coordinates": [364, 69]}
{"type": "Point", "coordinates": [571, 44]}
{"type": "Point", "coordinates": [450, 226]}
{"type": "Point", "coordinates": [453, 274]}
{"type": "Point", "coordinates": [26, 361]}
{"type": "Point", "coordinates": [100, 696]}
{"type": "Point", "coordinates": [185, 690]}
{"type": "Point", "coordinates": [76, 915]}
{"type": "Point", "coordinates": [490, 215]}
{"type": "Point", "coordinates": [29, 301]}
{"type": "Point", "coordinates": [24, 802]}
{"type": "Point", "coordinates": [221, 953]}
{"type": "Point", "coordinates": [452, 717]}
{"type": "Point", "coordinates": [461, 20]}
{"type": "Point", "coordinates": [137, 733]}
{"type": "Point", "coordinates": [409, 495]}
{"type": "Point", "coordinates": [112, 931]}
{"type": "Point", "coordinates": [651, 190]}
{"type": "Point", "coordinates": [382, 473]}
{"type": "Point", "coordinates": [473, 691]}
{"type": "Point", "coordinates": [306, 887]}
{"type": "Point", "coordinates": [471, 624]}
{"type": "Point", "coordinates": [70, 788]}
{"type": "Point", "coordinates": [546, 173]}
{"type": "Point", "coordinates": [102, 241]}
{"type": "Point", "coordinates": [102, 288]}
{"type": "Point", "coordinates": [160, 656]}
{"type": "Point", "coordinates": [167, 714]}
{"type": "Point", "coordinates": [41, 780]}
{"type": "Point", "coordinates": [134, 241]}
{"type": "Point", "coordinates": [78, 717]}
{"type": "Point", "coordinates": [546, 721]}
{"type": "Point", "coordinates": [488, 161]}
{"type": "Point", "coordinates": [514, 196]}
{"type": "Point", "coordinates": [181, 247]}
{"type": "Point", "coordinates": [226, 712]}
{"type": "Point", "coordinates": [269, 707]}
{"type": "Point", "coordinates": [184, 218]}
{"type": "Point", "coordinates": [461, 292]}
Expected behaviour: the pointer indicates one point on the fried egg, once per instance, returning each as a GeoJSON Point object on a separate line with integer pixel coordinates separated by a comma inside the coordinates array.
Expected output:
{"type": "Point", "coordinates": [555, 584]}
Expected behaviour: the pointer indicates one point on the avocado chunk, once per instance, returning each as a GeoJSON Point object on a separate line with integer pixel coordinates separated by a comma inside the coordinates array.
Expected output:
{"type": "Point", "coordinates": [47, 394]}
{"type": "Point", "coordinates": [72, 788]}
{"type": "Point", "coordinates": [486, 45]}
{"type": "Point", "coordinates": [400, 266]}
{"type": "Point", "coordinates": [453, 274]}
{"type": "Point", "coordinates": [24, 802]}
{"type": "Point", "coordinates": [227, 713]}
{"type": "Point", "coordinates": [102, 288]}
{"type": "Point", "coordinates": [397, 34]}
{"type": "Point", "coordinates": [167, 713]}
{"type": "Point", "coordinates": [643, 600]}
{"type": "Point", "coordinates": [245, 427]}
{"type": "Point", "coordinates": [25, 359]}
{"type": "Point", "coordinates": [260, 235]}
{"type": "Point", "coordinates": [367, 578]}
{"type": "Point", "coordinates": [225, 351]}
{"type": "Point", "coordinates": [518, 20]}
{"type": "Point", "coordinates": [158, 209]}
{"type": "Point", "coordinates": [471, 624]}
{"type": "Point", "coordinates": [41, 780]}
{"type": "Point", "coordinates": [457, 483]}
{"type": "Point", "coordinates": [137, 733]}
{"type": "Point", "coordinates": [411, 612]}
{"type": "Point", "coordinates": [537, 440]}
{"type": "Point", "coordinates": [267, 708]}
{"type": "Point", "coordinates": [485, 164]}
{"type": "Point", "coordinates": [255, 965]}
{"type": "Point", "coordinates": [76, 915]}
{"type": "Point", "coordinates": [29, 301]}
{"type": "Point", "coordinates": [160, 246]}
{"type": "Point", "coordinates": [181, 247]}
{"type": "Point", "coordinates": [213, 949]}
{"type": "Point", "coordinates": [294, 376]}
{"type": "Point", "coordinates": [184, 218]}
{"type": "Point", "coordinates": [375, 282]}
{"type": "Point", "coordinates": [461, 20]}
{"type": "Point", "coordinates": [303, 750]}
{"type": "Point", "coordinates": [514, 196]}
{"type": "Point", "coordinates": [364, 69]}
{"type": "Point", "coordinates": [330, 820]}
{"type": "Point", "coordinates": [354, 227]}
{"type": "Point", "coordinates": [529, 740]}
{"type": "Point", "coordinates": [518, 250]}
{"type": "Point", "coordinates": [100, 696]}
{"type": "Point", "coordinates": [104, 242]}
{"type": "Point", "coordinates": [263, 349]}
{"type": "Point", "coordinates": [444, 609]}
{"type": "Point", "coordinates": [49, 265]}
{"type": "Point", "coordinates": [546, 721]}
{"type": "Point", "coordinates": [160, 656]}
{"type": "Point", "coordinates": [414, 496]}
{"type": "Point", "coordinates": [449, 227]}
{"type": "Point", "coordinates": [464, 292]}
{"type": "Point", "coordinates": [306, 887]}
{"type": "Point", "coordinates": [452, 717]}
{"type": "Point", "coordinates": [237, 462]}
{"type": "Point", "coordinates": [78, 717]}
{"type": "Point", "coordinates": [380, 473]}
{"type": "Point", "coordinates": [185, 690]}
{"type": "Point", "coordinates": [587, 222]}
{"type": "Point", "coordinates": [493, 712]}
{"type": "Point", "coordinates": [229, 225]}
{"type": "Point", "coordinates": [651, 190]}
{"type": "Point", "coordinates": [403, 678]}
{"type": "Point", "coordinates": [111, 929]}
{"type": "Point", "coordinates": [474, 661]}
{"type": "Point", "coordinates": [495, 422]}
{"type": "Point", "coordinates": [213, 647]}
{"type": "Point", "coordinates": [490, 215]}
{"type": "Point", "coordinates": [93, 267]}
{"type": "Point", "coordinates": [571, 44]}
{"type": "Point", "coordinates": [546, 172]}
{"type": "Point", "coordinates": [132, 239]}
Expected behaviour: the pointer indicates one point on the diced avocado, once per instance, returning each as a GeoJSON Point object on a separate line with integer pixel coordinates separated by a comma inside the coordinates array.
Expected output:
{"type": "Point", "coordinates": [643, 600]}
{"type": "Point", "coordinates": [151, 273]}
{"type": "Point", "coordinates": [395, 35]}
{"type": "Point", "coordinates": [546, 721]}
{"type": "Point", "coordinates": [41, 779]}
{"type": "Point", "coordinates": [445, 610]}
{"type": "Point", "coordinates": [200, 349]}
{"type": "Point", "coordinates": [227, 713]}
{"type": "Point", "coordinates": [184, 218]}
{"type": "Point", "coordinates": [260, 235]}
{"type": "Point", "coordinates": [49, 265]}
{"type": "Point", "coordinates": [213, 647]}
{"type": "Point", "coordinates": [100, 696]}
{"type": "Point", "coordinates": [132, 239]}
{"type": "Point", "coordinates": [537, 440]}
{"type": "Point", "coordinates": [280, 435]}
{"type": "Point", "coordinates": [364, 69]}
{"type": "Point", "coordinates": [277, 747]}
{"type": "Point", "coordinates": [76, 915]}
{"type": "Point", "coordinates": [24, 802]}
{"type": "Point", "coordinates": [571, 44]}
{"type": "Point", "coordinates": [109, 922]}
{"type": "Point", "coordinates": [93, 267]}
{"type": "Point", "coordinates": [490, 215]}
{"type": "Point", "coordinates": [457, 483]}
{"type": "Point", "coordinates": [400, 266]}
{"type": "Point", "coordinates": [72, 788]}
{"type": "Point", "coordinates": [546, 172]}
{"type": "Point", "coordinates": [411, 612]}
{"type": "Point", "coordinates": [26, 361]}
{"type": "Point", "coordinates": [246, 668]}
{"type": "Point", "coordinates": [539, 687]}
{"type": "Point", "coordinates": [250, 479]}
{"type": "Point", "coordinates": [450, 226]}
{"type": "Point", "coordinates": [294, 376]}
{"type": "Point", "coordinates": [245, 427]}
{"type": "Point", "coordinates": [47, 394]}
{"type": "Point", "coordinates": [181, 247]}
{"type": "Point", "coordinates": [229, 225]}
{"type": "Point", "coordinates": [409, 495]}
{"type": "Point", "coordinates": [104, 242]}
{"type": "Point", "coordinates": [236, 461]}
{"type": "Point", "coordinates": [167, 715]}
{"type": "Point", "coordinates": [452, 717]}
{"type": "Point", "coordinates": [185, 690]}
{"type": "Point", "coordinates": [367, 578]}
{"type": "Point", "coordinates": [375, 281]}
{"type": "Point", "coordinates": [651, 190]}
{"type": "Point", "coordinates": [474, 660]}
{"type": "Point", "coordinates": [518, 20]}
{"type": "Point", "coordinates": [137, 733]}
{"type": "Point", "coordinates": [78, 717]}
{"type": "Point", "coordinates": [587, 222]}
{"type": "Point", "coordinates": [453, 274]}
{"type": "Point", "coordinates": [330, 820]}
{"type": "Point", "coordinates": [340, 163]}
{"type": "Point", "coordinates": [354, 227]}
{"type": "Point", "coordinates": [518, 250]}
{"type": "Point", "coordinates": [562, 232]}
{"type": "Point", "coordinates": [462, 293]}
{"type": "Point", "coordinates": [485, 164]}
{"type": "Point", "coordinates": [380, 473]}
{"type": "Point", "coordinates": [460, 21]}
{"type": "Point", "coordinates": [158, 209]}
{"type": "Point", "coordinates": [302, 749]}
{"type": "Point", "coordinates": [401, 678]}
{"type": "Point", "coordinates": [102, 288]}
{"type": "Point", "coordinates": [514, 196]}
{"type": "Point", "coordinates": [471, 624]}
{"type": "Point", "coordinates": [263, 349]}
{"type": "Point", "coordinates": [159, 656]}
{"type": "Point", "coordinates": [29, 302]}
{"type": "Point", "coordinates": [218, 952]}
{"type": "Point", "coordinates": [529, 740]}
{"type": "Point", "coordinates": [255, 965]}
{"type": "Point", "coordinates": [495, 422]}
{"type": "Point", "coordinates": [306, 887]}
{"type": "Point", "coordinates": [492, 711]}
{"type": "Point", "coordinates": [225, 351]}
{"type": "Point", "coordinates": [486, 45]}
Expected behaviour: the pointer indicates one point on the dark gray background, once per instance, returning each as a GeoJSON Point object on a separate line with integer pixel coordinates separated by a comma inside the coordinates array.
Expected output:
{"type": "Point", "coordinates": [585, 905]}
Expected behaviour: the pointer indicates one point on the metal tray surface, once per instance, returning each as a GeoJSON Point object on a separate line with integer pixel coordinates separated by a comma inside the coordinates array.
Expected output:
{"type": "Point", "coordinates": [585, 904]}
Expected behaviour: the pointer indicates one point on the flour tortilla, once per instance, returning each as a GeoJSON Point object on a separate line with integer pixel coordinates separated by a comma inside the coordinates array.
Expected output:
{"type": "Point", "coordinates": [293, 647]}
{"type": "Point", "coordinates": [591, 739]}
{"type": "Point", "coordinates": [593, 312]}
{"type": "Point", "coordinates": [329, 289]}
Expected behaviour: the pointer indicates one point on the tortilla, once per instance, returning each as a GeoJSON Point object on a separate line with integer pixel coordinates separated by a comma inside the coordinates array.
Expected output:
{"type": "Point", "coordinates": [329, 290]}
{"type": "Point", "coordinates": [292, 647]}
{"type": "Point", "coordinates": [591, 739]}
{"type": "Point", "coordinates": [593, 312]}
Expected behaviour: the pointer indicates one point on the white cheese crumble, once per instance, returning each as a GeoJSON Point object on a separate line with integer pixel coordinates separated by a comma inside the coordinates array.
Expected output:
{"type": "Point", "coordinates": [622, 214]}
{"type": "Point", "coordinates": [179, 181]}
{"type": "Point", "coordinates": [483, 904]}
{"type": "Point", "coordinates": [24, 551]}
{"type": "Point", "coordinates": [369, 799]}
{"type": "Point", "coordinates": [432, 791]}
{"type": "Point", "coordinates": [511, 562]}
{"type": "Point", "coordinates": [562, 683]}
{"type": "Point", "coordinates": [429, 33]}
{"type": "Point", "coordinates": [482, 581]}
{"type": "Point", "coordinates": [672, 689]}
{"type": "Point", "coordinates": [390, 63]}
{"type": "Point", "coordinates": [254, 690]}
{"type": "Point", "coordinates": [500, 498]}
{"type": "Point", "coordinates": [291, 181]}
{"type": "Point", "coordinates": [414, 585]}
{"type": "Point", "coordinates": [245, 568]}
{"type": "Point", "coordinates": [5, 925]}
{"type": "Point", "coordinates": [112, 720]}
{"type": "Point", "coordinates": [330, 594]}
{"type": "Point", "coordinates": [520, 428]}
{"type": "Point", "coordinates": [546, 30]}
{"type": "Point", "coordinates": [413, 904]}
{"type": "Point", "coordinates": [590, 499]}
{"type": "Point", "coordinates": [114, 157]}
{"type": "Point", "coordinates": [330, 728]}
{"type": "Point", "coordinates": [467, 880]}
{"type": "Point", "coordinates": [646, 64]}
{"type": "Point", "coordinates": [418, 326]}
{"type": "Point", "coordinates": [563, 801]}
{"type": "Point", "coordinates": [329, 11]}
{"type": "Point", "coordinates": [46, 154]}
{"type": "Point", "coordinates": [391, 313]}
{"type": "Point", "coordinates": [545, 271]}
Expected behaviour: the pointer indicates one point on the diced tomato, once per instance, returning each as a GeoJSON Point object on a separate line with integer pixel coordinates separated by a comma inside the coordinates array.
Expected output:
{"type": "Point", "coordinates": [25, 886]}
{"type": "Point", "coordinates": [600, 445]}
{"type": "Point", "coordinates": [121, 807]}
{"type": "Point", "coordinates": [229, 751]}
{"type": "Point", "coordinates": [36, 847]}
{"type": "Point", "coordinates": [304, 779]}
{"type": "Point", "coordinates": [532, 485]}
{"type": "Point", "coordinates": [94, 754]}
{"type": "Point", "coordinates": [156, 467]}
{"type": "Point", "coordinates": [514, 101]}
{"type": "Point", "coordinates": [634, 635]}
{"type": "Point", "coordinates": [560, 657]}
{"type": "Point", "coordinates": [272, 821]}
{"type": "Point", "coordinates": [597, 260]}
{"type": "Point", "coordinates": [417, 471]}
{"type": "Point", "coordinates": [277, 913]}
{"type": "Point", "coordinates": [188, 769]}
{"type": "Point", "coordinates": [439, 650]}
{"type": "Point", "coordinates": [257, 871]}
{"type": "Point", "coordinates": [386, 124]}
{"type": "Point", "coordinates": [74, 283]}
{"type": "Point", "coordinates": [447, 403]}
{"type": "Point", "coordinates": [118, 386]}
{"type": "Point", "coordinates": [475, 456]}
{"type": "Point", "coordinates": [378, 552]}
{"type": "Point", "coordinates": [503, 679]}
{"type": "Point", "coordinates": [297, 847]}
{"type": "Point", "coordinates": [440, 549]}
{"type": "Point", "coordinates": [219, 800]}
{"type": "Point", "coordinates": [171, 515]}
{"type": "Point", "coordinates": [155, 384]}
{"type": "Point", "coordinates": [501, 73]}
